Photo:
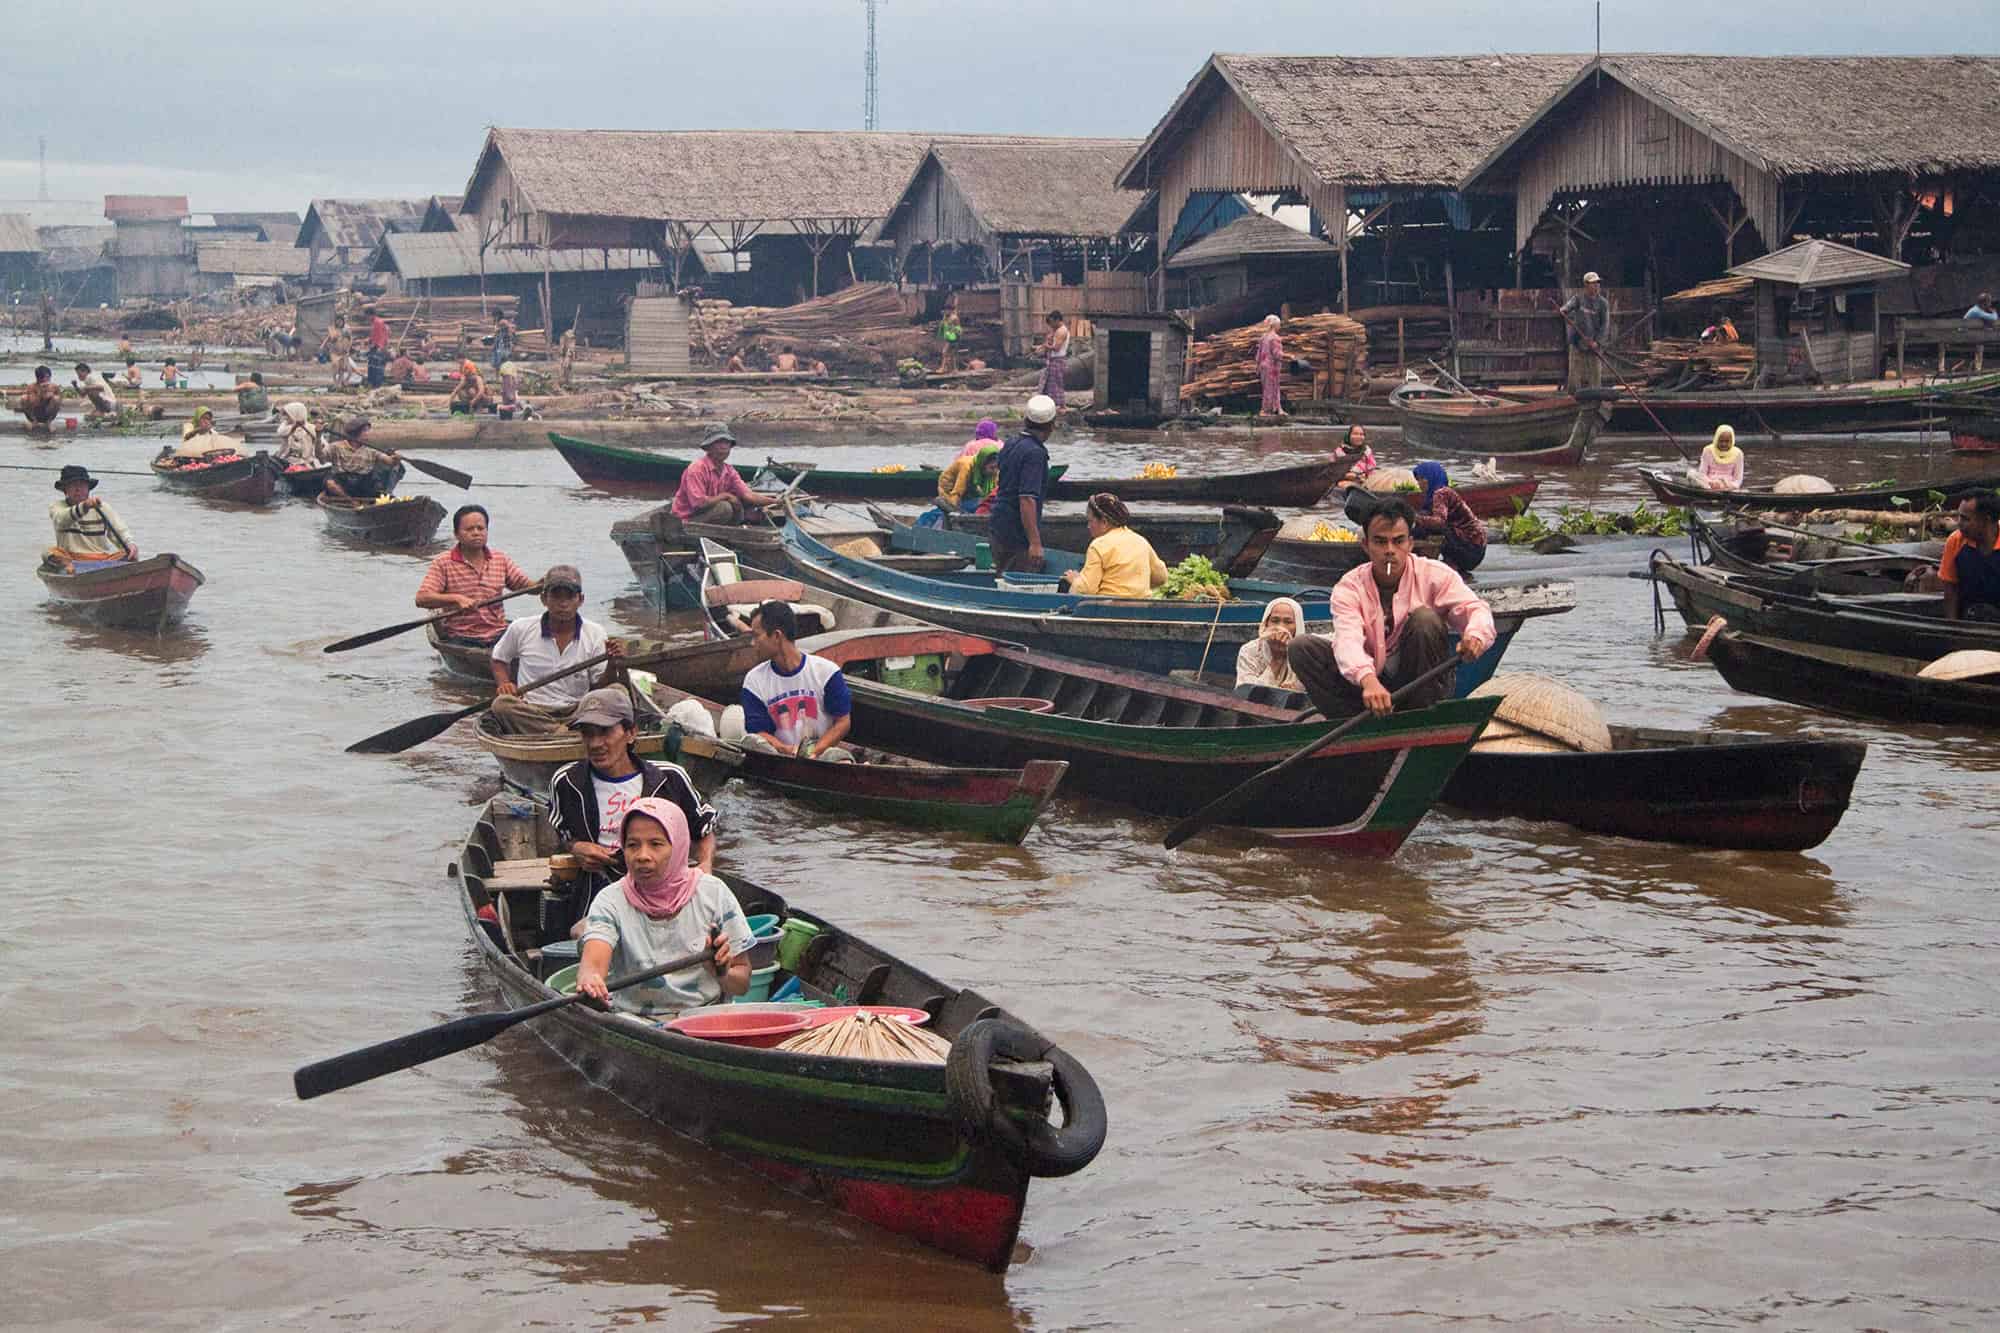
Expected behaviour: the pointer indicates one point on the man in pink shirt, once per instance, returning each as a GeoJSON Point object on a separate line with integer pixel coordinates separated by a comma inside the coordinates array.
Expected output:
{"type": "Point", "coordinates": [711, 491]}
{"type": "Point", "coordinates": [1392, 621]}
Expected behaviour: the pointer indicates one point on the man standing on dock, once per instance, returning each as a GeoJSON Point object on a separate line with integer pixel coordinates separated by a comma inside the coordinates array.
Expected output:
{"type": "Point", "coordinates": [1015, 529]}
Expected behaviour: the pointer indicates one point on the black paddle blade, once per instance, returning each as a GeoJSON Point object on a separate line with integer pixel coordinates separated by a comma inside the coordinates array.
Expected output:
{"type": "Point", "coordinates": [462, 480]}
{"type": "Point", "coordinates": [409, 735]}
{"type": "Point", "coordinates": [375, 636]}
{"type": "Point", "coordinates": [386, 1057]}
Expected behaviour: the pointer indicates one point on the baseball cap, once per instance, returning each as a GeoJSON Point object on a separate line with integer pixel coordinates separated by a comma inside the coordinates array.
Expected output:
{"type": "Point", "coordinates": [1592, 277]}
{"type": "Point", "coordinates": [608, 707]}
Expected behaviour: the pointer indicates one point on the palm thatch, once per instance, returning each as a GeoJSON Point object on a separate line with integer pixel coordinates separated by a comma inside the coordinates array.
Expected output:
{"type": "Point", "coordinates": [1408, 121]}
{"type": "Point", "coordinates": [454, 254]}
{"type": "Point", "coordinates": [1032, 186]}
{"type": "Point", "coordinates": [17, 235]}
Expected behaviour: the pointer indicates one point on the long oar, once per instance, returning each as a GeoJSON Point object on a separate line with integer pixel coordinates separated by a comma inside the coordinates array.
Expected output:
{"type": "Point", "coordinates": [462, 480]}
{"type": "Point", "coordinates": [377, 635]}
{"type": "Point", "coordinates": [409, 735]}
{"type": "Point", "coordinates": [1241, 795]}
{"type": "Point", "coordinates": [386, 1057]}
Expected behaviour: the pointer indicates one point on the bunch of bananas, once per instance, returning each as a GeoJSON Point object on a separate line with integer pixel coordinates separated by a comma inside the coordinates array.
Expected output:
{"type": "Point", "coordinates": [1324, 531]}
{"type": "Point", "coordinates": [891, 467]}
{"type": "Point", "coordinates": [1158, 472]}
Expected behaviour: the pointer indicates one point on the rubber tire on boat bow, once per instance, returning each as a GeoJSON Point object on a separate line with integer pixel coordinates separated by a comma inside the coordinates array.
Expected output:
{"type": "Point", "coordinates": [1043, 1149]}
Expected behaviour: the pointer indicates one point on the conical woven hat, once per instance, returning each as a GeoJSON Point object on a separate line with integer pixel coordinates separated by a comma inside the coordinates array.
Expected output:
{"type": "Point", "coordinates": [1965, 664]}
{"type": "Point", "coordinates": [1526, 742]}
{"type": "Point", "coordinates": [1387, 480]}
{"type": "Point", "coordinates": [1547, 707]}
{"type": "Point", "coordinates": [1801, 483]}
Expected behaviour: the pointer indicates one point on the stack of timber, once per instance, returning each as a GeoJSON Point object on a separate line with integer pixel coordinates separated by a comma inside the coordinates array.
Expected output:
{"type": "Point", "coordinates": [720, 329]}
{"type": "Point", "coordinates": [456, 324]}
{"type": "Point", "coordinates": [1224, 368]}
{"type": "Point", "coordinates": [1405, 335]}
{"type": "Point", "coordinates": [1687, 362]}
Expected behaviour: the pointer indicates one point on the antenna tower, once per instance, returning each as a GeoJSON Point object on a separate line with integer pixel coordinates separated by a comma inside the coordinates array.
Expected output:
{"type": "Point", "coordinates": [870, 119]}
{"type": "Point", "coordinates": [42, 151]}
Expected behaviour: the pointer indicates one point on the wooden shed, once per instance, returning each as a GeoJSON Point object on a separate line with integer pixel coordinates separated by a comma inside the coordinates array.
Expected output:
{"type": "Point", "coordinates": [1817, 315]}
{"type": "Point", "coordinates": [1141, 360]}
{"type": "Point", "coordinates": [1254, 254]}
{"type": "Point", "coordinates": [340, 235]}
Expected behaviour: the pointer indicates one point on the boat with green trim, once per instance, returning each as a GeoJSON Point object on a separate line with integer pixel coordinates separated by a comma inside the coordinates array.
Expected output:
{"type": "Point", "coordinates": [1163, 746]}
{"type": "Point", "coordinates": [941, 1153]}
{"type": "Point", "coordinates": [639, 472]}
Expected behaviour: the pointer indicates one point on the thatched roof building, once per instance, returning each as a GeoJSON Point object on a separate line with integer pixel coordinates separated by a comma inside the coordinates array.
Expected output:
{"type": "Point", "coordinates": [17, 235]}
{"type": "Point", "coordinates": [1353, 137]}
{"type": "Point", "coordinates": [1756, 140]}
{"type": "Point", "coordinates": [1010, 199]}
{"type": "Point", "coordinates": [1251, 236]}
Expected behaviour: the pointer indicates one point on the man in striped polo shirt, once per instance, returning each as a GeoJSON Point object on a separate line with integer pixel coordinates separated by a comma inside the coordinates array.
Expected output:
{"type": "Point", "coordinates": [469, 573]}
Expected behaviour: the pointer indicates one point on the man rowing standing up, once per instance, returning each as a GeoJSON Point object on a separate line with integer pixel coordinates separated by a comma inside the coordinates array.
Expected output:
{"type": "Point", "coordinates": [87, 531]}
{"type": "Point", "coordinates": [711, 491]}
{"type": "Point", "coordinates": [1392, 621]}
{"type": "Point", "coordinates": [588, 798]}
{"type": "Point", "coordinates": [536, 647]}
{"type": "Point", "coordinates": [470, 573]}
{"type": "Point", "coordinates": [1015, 528]}
{"type": "Point", "coordinates": [1587, 316]}
{"type": "Point", "coordinates": [793, 702]}
{"type": "Point", "coordinates": [1970, 567]}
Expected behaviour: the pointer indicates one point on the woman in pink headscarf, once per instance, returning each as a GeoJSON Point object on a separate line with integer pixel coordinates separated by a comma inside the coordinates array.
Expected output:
{"type": "Point", "coordinates": [663, 909]}
{"type": "Point", "coordinates": [1271, 364]}
{"type": "Point", "coordinates": [987, 432]}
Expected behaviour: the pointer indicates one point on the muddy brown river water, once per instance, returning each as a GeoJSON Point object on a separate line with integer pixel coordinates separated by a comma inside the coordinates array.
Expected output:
{"type": "Point", "coordinates": [1520, 1075]}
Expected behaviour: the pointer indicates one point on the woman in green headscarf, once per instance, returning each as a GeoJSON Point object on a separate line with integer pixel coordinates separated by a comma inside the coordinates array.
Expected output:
{"type": "Point", "coordinates": [967, 481]}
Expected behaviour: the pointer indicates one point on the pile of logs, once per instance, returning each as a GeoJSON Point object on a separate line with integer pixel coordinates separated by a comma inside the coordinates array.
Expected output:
{"type": "Point", "coordinates": [455, 323]}
{"type": "Point", "coordinates": [1223, 369]}
{"type": "Point", "coordinates": [1686, 362]}
{"type": "Point", "coordinates": [1405, 335]}
{"type": "Point", "coordinates": [860, 329]}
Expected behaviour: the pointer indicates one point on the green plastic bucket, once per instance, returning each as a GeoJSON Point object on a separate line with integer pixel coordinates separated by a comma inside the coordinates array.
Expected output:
{"type": "Point", "coordinates": [792, 943]}
{"type": "Point", "coordinates": [760, 985]}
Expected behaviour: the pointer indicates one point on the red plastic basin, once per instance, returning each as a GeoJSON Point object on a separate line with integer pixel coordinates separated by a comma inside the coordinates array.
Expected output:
{"type": "Point", "coordinates": [756, 1028]}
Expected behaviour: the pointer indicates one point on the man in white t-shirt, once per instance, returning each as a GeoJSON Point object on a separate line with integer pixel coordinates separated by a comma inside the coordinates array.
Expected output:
{"type": "Point", "coordinates": [793, 702]}
{"type": "Point", "coordinates": [536, 647]}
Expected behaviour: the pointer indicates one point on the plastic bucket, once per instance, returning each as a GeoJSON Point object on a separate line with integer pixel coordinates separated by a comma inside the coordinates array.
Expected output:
{"type": "Point", "coordinates": [760, 984]}
{"type": "Point", "coordinates": [565, 980]}
{"type": "Point", "coordinates": [792, 943]}
{"type": "Point", "coordinates": [982, 556]}
{"type": "Point", "coordinates": [1025, 704]}
{"type": "Point", "coordinates": [69, 423]}
{"type": "Point", "coordinates": [763, 924]}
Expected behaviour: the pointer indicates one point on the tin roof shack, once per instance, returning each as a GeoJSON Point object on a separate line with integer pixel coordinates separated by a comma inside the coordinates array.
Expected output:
{"type": "Point", "coordinates": [20, 256]}
{"type": "Point", "coordinates": [151, 252]}
{"type": "Point", "coordinates": [1141, 360]}
{"type": "Point", "coordinates": [977, 209]}
{"type": "Point", "coordinates": [1253, 258]}
{"type": "Point", "coordinates": [445, 212]}
{"type": "Point", "coordinates": [1376, 146]}
{"type": "Point", "coordinates": [77, 262]}
{"type": "Point", "coordinates": [804, 204]}
{"type": "Point", "coordinates": [260, 270]}
{"type": "Point", "coordinates": [1681, 165]}
{"type": "Point", "coordinates": [591, 285]}
{"type": "Point", "coordinates": [1817, 316]}
{"type": "Point", "coordinates": [340, 235]}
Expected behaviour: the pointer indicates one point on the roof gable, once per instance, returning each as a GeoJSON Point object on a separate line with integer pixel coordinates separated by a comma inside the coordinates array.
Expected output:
{"type": "Point", "coordinates": [17, 235]}
{"type": "Point", "coordinates": [1251, 234]}
{"type": "Point", "coordinates": [1038, 186]}
{"type": "Point", "coordinates": [1820, 264]}
{"type": "Point", "coordinates": [358, 224]}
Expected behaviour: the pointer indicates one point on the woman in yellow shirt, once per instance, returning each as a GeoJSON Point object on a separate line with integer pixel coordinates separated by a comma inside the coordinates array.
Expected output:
{"type": "Point", "coordinates": [968, 479]}
{"type": "Point", "coordinates": [1119, 562]}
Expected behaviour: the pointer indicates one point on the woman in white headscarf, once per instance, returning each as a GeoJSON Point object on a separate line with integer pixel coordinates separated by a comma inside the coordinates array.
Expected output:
{"type": "Point", "coordinates": [298, 442]}
{"type": "Point", "coordinates": [1266, 659]}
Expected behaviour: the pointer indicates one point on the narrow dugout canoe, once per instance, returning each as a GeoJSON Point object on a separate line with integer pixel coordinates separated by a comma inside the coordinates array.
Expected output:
{"type": "Point", "coordinates": [1162, 746]}
{"type": "Point", "coordinates": [305, 482]}
{"type": "Point", "coordinates": [1674, 489]}
{"type": "Point", "coordinates": [1839, 409]}
{"type": "Point", "coordinates": [1536, 432]}
{"type": "Point", "coordinates": [404, 520]}
{"type": "Point", "coordinates": [637, 472]}
{"type": "Point", "coordinates": [1232, 540]}
{"type": "Point", "coordinates": [1749, 549]}
{"type": "Point", "coordinates": [1859, 684]}
{"type": "Point", "coordinates": [471, 663]}
{"type": "Point", "coordinates": [1299, 485]}
{"type": "Point", "coordinates": [664, 553]}
{"type": "Point", "coordinates": [149, 594]}
{"type": "Point", "coordinates": [941, 1153]}
{"type": "Point", "coordinates": [1695, 787]}
{"type": "Point", "coordinates": [252, 480]}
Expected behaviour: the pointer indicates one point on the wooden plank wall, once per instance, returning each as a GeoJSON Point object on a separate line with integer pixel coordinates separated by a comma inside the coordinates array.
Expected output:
{"type": "Point", "coordinates": [1228, 149]}
{"type": "Point", "coordinates": [1615, 137]}
{"type": "Point", "coordinates": [938, 214]}
{"type": "Point", "coordinates": [1023, 306]}
{"type": "Point", "coordinates": [656, 335]}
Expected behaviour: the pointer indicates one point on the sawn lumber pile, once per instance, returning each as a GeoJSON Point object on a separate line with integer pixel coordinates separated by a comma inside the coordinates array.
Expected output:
{"type": "Point", "coordinates": [1419, 332]}
{"type": "Point", "coordinates": [1224, 368]}
{"type": "Point", "coordinates": [1672, 361]}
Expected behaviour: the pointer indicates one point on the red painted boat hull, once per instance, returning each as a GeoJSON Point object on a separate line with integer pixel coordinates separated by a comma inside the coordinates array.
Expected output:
{"type": "Point", "coordinates": [151, 594]}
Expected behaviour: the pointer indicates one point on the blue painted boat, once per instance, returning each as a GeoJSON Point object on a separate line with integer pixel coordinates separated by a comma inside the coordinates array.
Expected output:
{"type": "Point", "coordinates": [1141, 633]}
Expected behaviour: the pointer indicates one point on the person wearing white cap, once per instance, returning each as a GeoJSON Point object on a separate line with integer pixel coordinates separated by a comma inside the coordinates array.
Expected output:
{"type": "Point", "coordinates": [1588, 316]}
{"type": "Point", "coordinates": [1015, 528]}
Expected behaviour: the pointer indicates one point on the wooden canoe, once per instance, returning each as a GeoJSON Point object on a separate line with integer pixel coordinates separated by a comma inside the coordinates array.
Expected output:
{"type": "Point", "coordinates": [305, 482]}
{"type": "Point", "coordinates": [404, 520]}
{"type": "Point", "coordinates": [1859, 684]}
{"type": "Point", "coordinates": [1233, 540]}
{"type": "Point", "coordinates": [468, 662]}
{"type": "Point", "coordinates": [1974, 427]}
{"type": "Point", "coordinates": [1535, 432]}
{"type": "Point", "coordinates": [1299, 485]}
{"type": "Point", "coordinates": [1745, 548]}
{"type": "Point", "coordinates": [1674, 489]}
{"type": "Point", "coordinates": [896, 1145]}
{"type": "Point", "coordinates": [637, 472]}
{"type": "Point", "coordinates": [664, 553]}
{"type": "Point", "coordinates": [148, 594]}
{"type": "Point", "coordinates": [1838, 409]}
{"type": "Point", "coordinates": [252, 480]}
{"type": "Point", "coordinates": [1696, 787]}
{"type": "Point", "coordinates": [1162, 746]}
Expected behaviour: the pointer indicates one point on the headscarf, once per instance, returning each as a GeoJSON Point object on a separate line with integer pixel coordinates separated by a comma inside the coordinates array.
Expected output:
{"type": "Point", "coordinates": [1724, 445]}
{"type": "Point", "coordinates": [989, 429]}
{"type": "Point", "coordinates": [981, 483]}
{"type": "Point", "coordinates": [1298, 615]}
{"type": "Point", "coordinates": [294, 413]}
{"type": "Point", "coordinates": [467, 368]}
{"type": "Point", "coordinates": [1430, 476]}
{"type": "Point", "coordinates": [669, 891]}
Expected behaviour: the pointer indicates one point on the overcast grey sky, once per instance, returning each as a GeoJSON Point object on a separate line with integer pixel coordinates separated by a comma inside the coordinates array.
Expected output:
{"type": "Point", "coordinates": [262, 105]}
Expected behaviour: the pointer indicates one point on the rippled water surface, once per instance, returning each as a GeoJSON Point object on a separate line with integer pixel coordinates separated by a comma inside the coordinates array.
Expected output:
{"type": "Point", "coordinates": [1519, 1075]}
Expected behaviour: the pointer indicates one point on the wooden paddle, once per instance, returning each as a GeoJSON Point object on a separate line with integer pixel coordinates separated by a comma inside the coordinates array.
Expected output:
{"type": "Point", "coordinates": [462, 480]}
{"type": "Point", "coordinates": [1747, 516]}
{"type": "Point", "coordinates": [1237, 797]}
{"type": "Point", "coordinates": [386, 1057]}
{"type": "Point", "coordinates": [377, 635]}
{"type": "Point", "coordinates": [409, 735]}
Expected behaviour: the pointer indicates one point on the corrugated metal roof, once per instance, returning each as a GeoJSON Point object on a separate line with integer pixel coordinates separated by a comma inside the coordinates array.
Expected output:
{"type": "Point", "coordinates": [145, 207]}
{"type": "Point", "coordinates": [454, 254]}
{"type": "Point", "coordinates": [1251, 234]}
{"type": "Point", "coordinates": [359, 224]}
{"type": "Point", "coordinates": [262, 258]}
{"type": "Point", "coordinates": [1821, 264]}
{"type": "Point", "coordinates": [17, 235]}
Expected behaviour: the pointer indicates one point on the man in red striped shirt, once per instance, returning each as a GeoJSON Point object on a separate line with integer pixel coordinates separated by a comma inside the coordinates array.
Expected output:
{"type": "Point", "coordinates": [470, 573]}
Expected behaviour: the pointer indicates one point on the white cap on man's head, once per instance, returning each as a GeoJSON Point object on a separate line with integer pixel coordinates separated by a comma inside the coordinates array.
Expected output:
{"type": "Point", "coordinates": [1041, 410]}
{"type": "Point", "coordinates": [1592, 277]}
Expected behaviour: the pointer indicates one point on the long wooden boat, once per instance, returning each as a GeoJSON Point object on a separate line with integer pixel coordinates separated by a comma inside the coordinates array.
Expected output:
{"type": "Point", "coordinates": [1897, 625]}
{"type": "Point", "coordinates": [1674, 489]}
{"type": "Point", "coordinates": [1300, 484]}
{"type": "Point", "coordinates": [1860, 684]}
{"type": "Point", "coordinates": [252, 480]}
{"type": "Point", "coordinates": [529, 763]}
{"type": "Point", "coordinates": [1534, 432]}
{"type": "Point", "coordinates": [471, 663]}
{"type": "Point", "coordinates": [1841, 409]}
{"type": "Point", "coordinates": [1164, 746]}
{"type": "Point", "coordinates": [941, 1153]}
{"type": "Point", "coordinates": [1745, 548]}
{"type": "Point", "coordinates": [1233, 540]}
{"type": "Point", "coordinates": [305, 482]}
{"type": "Point", "coordinates": [1695, 787]}
{"type": "Point", "coordinates": [1974, 426]}
{"type": "Point", "coordinates": [1141, 633]}
{"type": "Point", "coordinates": [637, 472]}
{"type": "Point", "coordinates": [403, 520]}
{"type": "Point", "coordinates": [147, 594]}
{"type": "Point", "coordinates": [664, 553]}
